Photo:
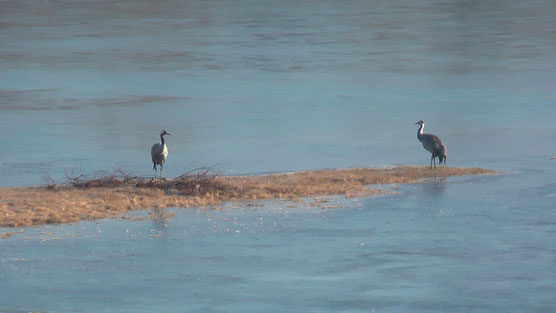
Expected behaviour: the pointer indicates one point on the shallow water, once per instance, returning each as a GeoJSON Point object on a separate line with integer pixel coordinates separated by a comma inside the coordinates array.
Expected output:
{"type": "Point", "coordinates": [264, 86]}
{"type": "Point", "coordinates": [469, 244]}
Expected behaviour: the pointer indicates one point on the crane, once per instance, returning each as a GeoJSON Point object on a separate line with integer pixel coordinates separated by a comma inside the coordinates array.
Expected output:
{"type": "Point", "coordinates": [159, 153]}
{"type": "Point", "coordinates": [433, 144]}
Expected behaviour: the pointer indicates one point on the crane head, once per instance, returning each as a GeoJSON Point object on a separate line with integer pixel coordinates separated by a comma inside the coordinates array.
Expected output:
{"type": "Point", "coordinates": [420, 122]}
{"type": "Point", "coordinates": [164, 133]}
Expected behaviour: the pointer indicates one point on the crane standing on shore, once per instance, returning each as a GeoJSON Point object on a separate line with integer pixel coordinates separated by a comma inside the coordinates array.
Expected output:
{"type": "Point", "coordinates": [433, 144]}
{"type": "Point", "coordinates": [159, 153]}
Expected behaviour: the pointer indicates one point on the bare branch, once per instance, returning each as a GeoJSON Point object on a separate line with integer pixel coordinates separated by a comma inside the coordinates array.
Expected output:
{"type": "Point", "coordinates": [50, 183]}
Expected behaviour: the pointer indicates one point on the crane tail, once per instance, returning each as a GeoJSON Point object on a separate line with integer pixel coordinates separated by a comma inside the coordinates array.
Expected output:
{"type": "Point", "coordinates": [442, 159]}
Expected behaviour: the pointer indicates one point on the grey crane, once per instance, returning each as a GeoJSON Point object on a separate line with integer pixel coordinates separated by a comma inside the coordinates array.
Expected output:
{"type": "Point", "coordinates": [433, 144]}
{"type": "Point", "coordinates": [159, 153]}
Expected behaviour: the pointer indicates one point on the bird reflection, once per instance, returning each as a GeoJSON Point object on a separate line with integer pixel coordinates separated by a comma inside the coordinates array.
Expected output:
{"type": "Point", "coordinates": [434, 188]}
{"type": "Point", "coordinates": [159, 218]}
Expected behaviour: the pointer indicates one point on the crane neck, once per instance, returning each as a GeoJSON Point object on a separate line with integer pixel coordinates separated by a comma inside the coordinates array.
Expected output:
{"type": "Point", "coordinates": [162, 140]}
{"type": "Point", "coordinates": [420, 131]}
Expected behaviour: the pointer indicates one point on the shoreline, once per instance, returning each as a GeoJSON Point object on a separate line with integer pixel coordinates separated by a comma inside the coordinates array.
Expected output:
{"type": "Point", "coordinates": [39, 205]}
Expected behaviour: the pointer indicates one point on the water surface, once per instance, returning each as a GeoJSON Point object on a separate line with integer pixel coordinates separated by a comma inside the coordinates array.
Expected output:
{"type": "Point", "coordinates": [457, 245]}
{"type": "Point", "coordinates": [272, 86]}
{"type": "Point", "coordinates": [258, 86]}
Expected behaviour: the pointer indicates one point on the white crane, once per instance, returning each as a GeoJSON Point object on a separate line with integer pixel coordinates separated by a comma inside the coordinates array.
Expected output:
{"type": "Point", "coordinates": [433, 144]}
{"type": "Point", "coordinates": [159, 153]}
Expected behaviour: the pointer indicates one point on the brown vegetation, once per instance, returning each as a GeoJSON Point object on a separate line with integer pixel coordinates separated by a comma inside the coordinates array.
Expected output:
{"type": "Point", "coordinates": [117, 193]}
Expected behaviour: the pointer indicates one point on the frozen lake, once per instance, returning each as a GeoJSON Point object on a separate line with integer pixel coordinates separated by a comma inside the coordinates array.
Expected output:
{"type": "Point", "coordinates": [272, 86]}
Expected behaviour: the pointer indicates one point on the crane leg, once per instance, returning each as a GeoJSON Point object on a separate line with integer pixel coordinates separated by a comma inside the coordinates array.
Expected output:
{"type": "Point", "coordinates": [432, 157]}
{"type": "Point", "coordinates": [160, 171]}
{"type": "Point", "coordinates": [434, 161]}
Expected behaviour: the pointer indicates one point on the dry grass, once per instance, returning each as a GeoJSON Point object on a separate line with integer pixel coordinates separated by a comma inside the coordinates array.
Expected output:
{"type": "Point", "coordinates": [113, 194]}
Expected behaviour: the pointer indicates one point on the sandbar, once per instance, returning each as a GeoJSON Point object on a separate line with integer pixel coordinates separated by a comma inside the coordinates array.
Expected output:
{"type": "Point", "coordinates": [27, 206]}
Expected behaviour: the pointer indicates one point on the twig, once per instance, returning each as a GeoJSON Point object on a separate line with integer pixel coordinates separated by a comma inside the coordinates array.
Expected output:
{"type": "Point", "coordinates": [50, 183]}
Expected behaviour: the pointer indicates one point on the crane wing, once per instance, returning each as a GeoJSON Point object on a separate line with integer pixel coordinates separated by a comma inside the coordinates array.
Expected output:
{"type": "Point", "coordinates": [437, 142]}
{"type": "Point", "coordinates": [432, 143]}
{"type": "Point", "coordinates": [156, 149]}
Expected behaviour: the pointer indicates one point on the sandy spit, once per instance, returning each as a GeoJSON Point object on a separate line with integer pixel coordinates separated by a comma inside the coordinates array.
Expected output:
{"type": "Point", "coordinates": [26, 206]}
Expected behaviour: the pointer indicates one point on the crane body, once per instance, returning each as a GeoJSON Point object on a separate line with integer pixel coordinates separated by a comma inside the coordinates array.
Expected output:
{"type": "Point", "coordinates": [433, 144]}
{"type": "Point", "coordinates": [159, 153]}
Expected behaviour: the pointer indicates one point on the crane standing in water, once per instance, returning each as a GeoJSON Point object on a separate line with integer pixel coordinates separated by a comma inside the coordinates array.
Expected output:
{"type": "Point", "coordinates": [159, 153]}
{"type": "Point", "coordinates": [433, 144]}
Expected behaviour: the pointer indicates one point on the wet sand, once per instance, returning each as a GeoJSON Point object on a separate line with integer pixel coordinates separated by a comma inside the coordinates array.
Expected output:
{"type": "Point", "coordinates": [26, 206]}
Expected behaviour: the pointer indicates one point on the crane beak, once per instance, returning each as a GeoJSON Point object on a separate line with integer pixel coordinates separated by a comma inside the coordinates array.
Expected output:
{"type": "Point", "coordinates": [168, 134]}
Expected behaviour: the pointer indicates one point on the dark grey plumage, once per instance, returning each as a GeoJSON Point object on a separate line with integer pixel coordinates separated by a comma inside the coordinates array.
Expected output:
{"type": "Point", "coordinates": [433, 144]}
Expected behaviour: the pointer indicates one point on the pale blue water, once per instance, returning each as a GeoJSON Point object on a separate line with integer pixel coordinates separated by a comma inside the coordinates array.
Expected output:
{"type": "Point", "coordinates": [264, 86]}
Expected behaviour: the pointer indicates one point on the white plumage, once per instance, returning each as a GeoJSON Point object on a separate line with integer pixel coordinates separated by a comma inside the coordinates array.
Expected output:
{"type": "Point", "coordinates": [159, 153]}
